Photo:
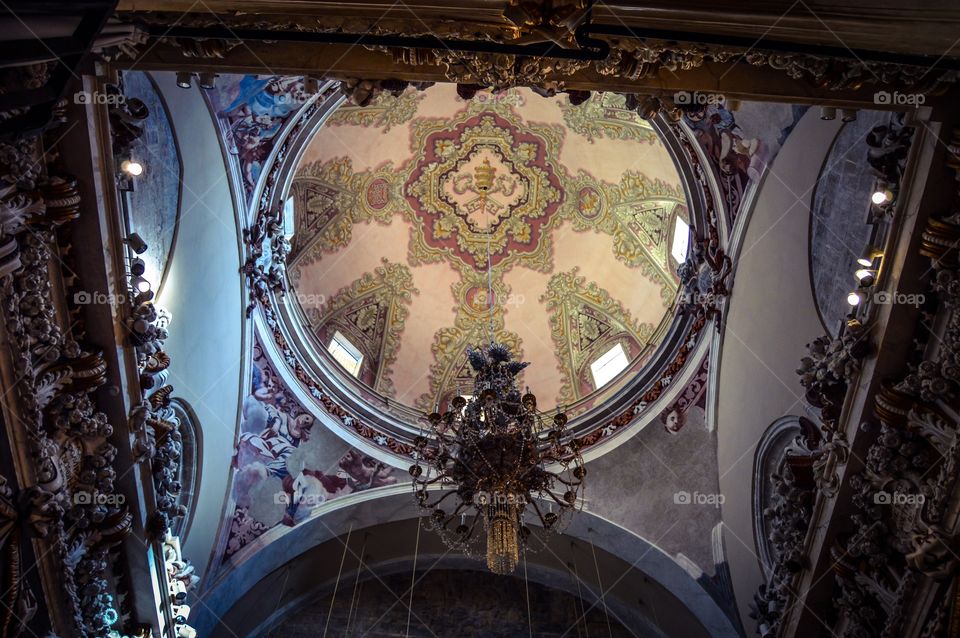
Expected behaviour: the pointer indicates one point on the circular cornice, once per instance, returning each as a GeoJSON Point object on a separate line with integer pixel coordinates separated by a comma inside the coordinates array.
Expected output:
{"type": "Point", "coordinates": [384, 428]}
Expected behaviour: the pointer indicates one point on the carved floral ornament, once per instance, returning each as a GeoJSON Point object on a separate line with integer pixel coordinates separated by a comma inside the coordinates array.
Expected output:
{"type": "Point", "coordinates": [69, 500]}
{"type": "Point", "coordinates": [268, 280]}
{"type": "Point", "coordinates": [894, 566]}
{"type": "Point", "coordinates": [588, 49]}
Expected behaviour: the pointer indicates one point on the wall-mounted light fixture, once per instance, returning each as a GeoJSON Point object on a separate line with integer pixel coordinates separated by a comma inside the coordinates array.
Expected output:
{"type": "Point", "coordinates": [865, 276]}
{"type": "Point", "coordinates": [868, 256]}
{"type": "Point", "coordinates": [207, 80]}
{"type": "Point", "coordinates": [136, 243]}
{"type": "Point", "coordinates": [881, 196]}
{"type": "Point", "coordinates": [184, 79]}
{"type": "Point", "coordinates": [131, 167]}
{"type": "Point", "coordinates": [856, 297]}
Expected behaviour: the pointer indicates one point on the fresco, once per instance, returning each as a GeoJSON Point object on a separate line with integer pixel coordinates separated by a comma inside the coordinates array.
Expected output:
{"type": "Point", "coordinates": [154, 202]}
{"type": "Point", "coordinates": [286, 464]}
{"type": "Point", "coordinates": [741, 144]}
{"type": "Point", "coordinates": [252, 110]}
{"type": "Point", "coordinates": [532, 185]}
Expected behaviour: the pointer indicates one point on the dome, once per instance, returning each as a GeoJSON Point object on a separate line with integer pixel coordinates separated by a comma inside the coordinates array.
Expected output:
{"type": "Point", "coordinates": [399, 207]}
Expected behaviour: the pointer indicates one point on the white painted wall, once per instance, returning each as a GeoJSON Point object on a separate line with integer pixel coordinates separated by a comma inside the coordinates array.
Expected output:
{"type": "Point", "coordinates": [203, 292]}
{"type": "Point", "coordinates": [770, 319]}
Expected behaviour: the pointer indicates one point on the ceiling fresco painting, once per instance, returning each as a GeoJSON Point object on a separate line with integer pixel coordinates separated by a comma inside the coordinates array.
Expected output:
{"type": "Point", "coordinates": [532, 185]}
{"type": "Point", "coordinates": [252, 110]}
{"type": "Point", "coordinates": [370, 312]}
{"type": "Point", "coordinates": [740, 144]}
{"type": "Point", "coordinates": [584, 321]}
{"type": "Point", "coordinates": [286, 464]}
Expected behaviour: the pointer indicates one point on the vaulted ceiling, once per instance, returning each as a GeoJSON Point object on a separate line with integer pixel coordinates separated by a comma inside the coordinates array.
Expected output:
{"type": "Point", "coordinates": [400, 204]}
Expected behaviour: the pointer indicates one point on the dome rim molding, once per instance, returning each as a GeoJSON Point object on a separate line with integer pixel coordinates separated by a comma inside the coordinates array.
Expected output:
{"type": "Point", "coordinates": [353, 410]}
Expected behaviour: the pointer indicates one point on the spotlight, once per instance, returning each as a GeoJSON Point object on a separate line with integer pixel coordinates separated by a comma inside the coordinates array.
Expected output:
{"type": "Point", "coordinates": [131, 167]}
{"type": "Point", "coordinates": [867, 256]}
{"type": "Point", "coordinates": [207, 80]}
{"type": "Point", "coordinates": [828, 112]}
{"type": "Point", "coordinates": [136, 243]}
{"type": "Point", "coordinates": [881, 197]}
{"type": "Point", "coordinates": [140, 284]}
{"type": "Point", "coordinates": [848, 115]}
{"type": "Point", "coordinates": [184, 79]}
{"type": "Point", "coordinates": [311, 85]}
{"type": "Point", "coordinates": [855, 298]}
{"type": "Point", "coordinates": [137, 266]}
{"type": "Point", "coordinates": [864, 276]}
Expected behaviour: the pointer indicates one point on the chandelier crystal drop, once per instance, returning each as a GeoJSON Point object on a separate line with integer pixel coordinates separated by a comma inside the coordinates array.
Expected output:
{"type": "Point", "coordinates": [491, 459]}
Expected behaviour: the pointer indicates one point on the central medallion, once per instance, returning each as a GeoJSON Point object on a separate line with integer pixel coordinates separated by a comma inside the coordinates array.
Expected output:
{"type": "Point", "coordinates": [484, 179]}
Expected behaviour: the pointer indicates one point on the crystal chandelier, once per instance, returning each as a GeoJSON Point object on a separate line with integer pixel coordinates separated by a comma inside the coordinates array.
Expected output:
{"type": "Point", "coordinates": [492, 458]}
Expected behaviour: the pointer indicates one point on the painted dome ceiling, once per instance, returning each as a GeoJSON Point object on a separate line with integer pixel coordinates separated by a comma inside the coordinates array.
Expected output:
{"type": "Point", "coordinates": [398, 208]}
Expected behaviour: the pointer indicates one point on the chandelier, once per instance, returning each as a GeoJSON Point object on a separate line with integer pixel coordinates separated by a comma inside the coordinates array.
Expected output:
{"type": "Point", "coordinates": [492, 459]}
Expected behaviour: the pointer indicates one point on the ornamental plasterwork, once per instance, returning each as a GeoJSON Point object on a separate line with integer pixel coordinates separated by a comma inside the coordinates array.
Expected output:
{"type": "Point", "coordinates": [484, 183]}
{"type": "Point", "coordinates": [638, 213]}
{"type": "Point", "coordinates": [483, 168]}
{"type": "Point", "coordinates": [385, 112]}
{"type": "Point", "coordinates": [584, 322]}
{"type": "Point", "coordinates": [450, 372]}
{"type": "Point", "coordinates": [605, 115]}
{"type": "Point", "coordinates": [347, 198]}
{"type": "Point", "coordinates": [371, 312]}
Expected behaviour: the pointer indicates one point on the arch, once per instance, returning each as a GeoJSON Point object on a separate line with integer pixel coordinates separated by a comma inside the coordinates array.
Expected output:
{"type": "Point", "coordinates": [788, 434]}
{"type": "Point", "coordinates": [259, 570]}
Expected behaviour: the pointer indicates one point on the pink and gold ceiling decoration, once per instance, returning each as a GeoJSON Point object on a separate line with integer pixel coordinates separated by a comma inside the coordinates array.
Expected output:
{"type": "Point", "coordinates": [575, 206]}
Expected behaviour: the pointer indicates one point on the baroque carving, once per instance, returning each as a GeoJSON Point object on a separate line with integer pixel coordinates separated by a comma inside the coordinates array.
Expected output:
{"type": "Point", "coordinates": [831, 365]}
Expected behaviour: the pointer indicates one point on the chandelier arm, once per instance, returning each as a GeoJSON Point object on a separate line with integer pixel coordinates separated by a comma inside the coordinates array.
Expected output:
{"type": "Point", "coordinates": [562, 504]}
{"type": "Point", "coordinates": [574, 483]}
{"type": "Point", "coordinates": [466, 539]}
{"type": "Point", "coordinates": [536, 508]}
{"type": "Point", "coordinates": [425, 482]}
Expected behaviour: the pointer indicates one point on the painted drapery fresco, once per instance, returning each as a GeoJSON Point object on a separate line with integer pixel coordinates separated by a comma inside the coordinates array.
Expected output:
{"type": "Point", "coordinates": [286, 464]}
{"type": "Point", "coordinates": [741, 144]}
{"type": "Point", "coordinates": [252, 109]}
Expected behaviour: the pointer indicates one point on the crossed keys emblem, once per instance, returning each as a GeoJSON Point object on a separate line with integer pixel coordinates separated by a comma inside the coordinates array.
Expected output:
{"type": "Point", "coordinates": [483, 210]}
